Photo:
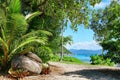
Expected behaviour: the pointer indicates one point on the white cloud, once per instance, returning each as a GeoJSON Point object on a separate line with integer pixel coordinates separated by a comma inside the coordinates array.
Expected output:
{"type": "Point", "coordinates": [84, 45]}
{"type": "Point", "coordinates": [102, 5]}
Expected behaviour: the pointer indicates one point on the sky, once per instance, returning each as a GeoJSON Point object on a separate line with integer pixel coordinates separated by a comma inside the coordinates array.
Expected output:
{"type": "Point", "coordinates": [83, 38]}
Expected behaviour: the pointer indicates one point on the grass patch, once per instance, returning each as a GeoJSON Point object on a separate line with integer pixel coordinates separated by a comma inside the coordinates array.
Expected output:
{"type": "Point", "coordinates": [68, 59]}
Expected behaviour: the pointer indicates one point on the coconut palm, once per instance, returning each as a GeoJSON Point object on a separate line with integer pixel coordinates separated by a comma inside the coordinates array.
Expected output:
{"type": "Point", "coordinates": [13, 37]}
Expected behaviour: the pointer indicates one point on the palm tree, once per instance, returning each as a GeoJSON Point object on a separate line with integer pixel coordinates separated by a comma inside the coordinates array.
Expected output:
{"type": "Point", "coordinates": [13, 37]}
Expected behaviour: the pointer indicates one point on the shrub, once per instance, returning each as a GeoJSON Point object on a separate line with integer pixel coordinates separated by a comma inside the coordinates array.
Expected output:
{"type": "Point", "coordinates": [100, 60]}
{"type": "Point", "coordinates": [45, 53]}
{"type": "Point", "coordinates": [55, 58]}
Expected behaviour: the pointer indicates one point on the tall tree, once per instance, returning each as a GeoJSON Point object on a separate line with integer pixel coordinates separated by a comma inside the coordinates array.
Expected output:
{"type": "Point", "coordinates": [105, 23]}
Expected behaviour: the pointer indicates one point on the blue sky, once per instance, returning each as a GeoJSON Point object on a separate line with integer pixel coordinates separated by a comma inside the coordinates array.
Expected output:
{"type": "Point", "coordinates": [83, 38]}
{"type": "Point", "coordinates": [81, 35]}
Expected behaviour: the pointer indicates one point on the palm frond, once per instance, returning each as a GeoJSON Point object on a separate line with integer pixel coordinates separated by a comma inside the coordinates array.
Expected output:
{"type": "Point", "coordinates": [29, 17]}
{"type": "Point", "coordinates": [46, 32]}
{"type": "Point", "coordinates": [37, 32]}
{"type": "Point", "coordinates": [37, 2]}
{"type": "Point", "coordinates": [3, 34]}
{"type": "Point", "coordinates": [17, 25]}
{"type": "Point", "coordinates": [15, 6]}
{"type": "Point", "coordinates": [3, 19]}
{"type": "Point", "coordinates": [26, 50]}
{"type": "Point", "coordinates": [18, 20]}
{"type": "Point", "coordinates": [27, 41]}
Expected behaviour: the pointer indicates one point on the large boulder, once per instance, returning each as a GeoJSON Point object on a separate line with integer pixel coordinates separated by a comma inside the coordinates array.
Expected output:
{"type": "Point", "coordinates": [34, 57]}
{"type": "Point", "coordinates": [30, 62]}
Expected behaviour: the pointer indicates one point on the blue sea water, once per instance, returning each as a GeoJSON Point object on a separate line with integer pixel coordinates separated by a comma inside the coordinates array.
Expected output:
{"type": "Point", "coordinates": [84, 55]}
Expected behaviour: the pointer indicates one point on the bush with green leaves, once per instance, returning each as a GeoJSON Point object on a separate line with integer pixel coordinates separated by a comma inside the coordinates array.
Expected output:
{"type": "Point", "coordinates": [55, 58]}
{"type": "Point", "coordinates": [45, 53]}
{"type": "Point", "coordinates": [100, 60]}
{"type": "Point", "coordinates": [113, 56]}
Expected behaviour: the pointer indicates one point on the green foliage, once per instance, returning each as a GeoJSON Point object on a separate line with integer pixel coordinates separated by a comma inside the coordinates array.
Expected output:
{"type": "Point", "coordinates": [45, 53]}
{"type": "Point", "coordinates": [114, 57]}
{"type": "Point", "coordinates": [105, 23]}
{"type": "Point", "coordinates": [100, 60]}
{"type": "Point", "coordinates": [61, 9]}
{"type": "Point", "coordinates": [55, 58]}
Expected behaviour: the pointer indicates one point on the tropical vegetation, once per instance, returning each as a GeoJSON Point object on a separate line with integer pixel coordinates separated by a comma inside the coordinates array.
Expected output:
{"type": "Point", "coordinates": [25, 23]}
{"type": "Point", "coordinates": [105, 23]}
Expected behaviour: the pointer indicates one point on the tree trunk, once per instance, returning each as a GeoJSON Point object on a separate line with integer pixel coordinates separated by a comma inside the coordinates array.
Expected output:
{"type": "Point", "coordinates": [102, 51]}
{"type": "Point", "coordinates": [62, 51]}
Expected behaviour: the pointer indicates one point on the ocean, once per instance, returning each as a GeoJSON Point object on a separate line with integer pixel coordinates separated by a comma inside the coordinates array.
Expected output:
{"type": "Point", "coordinates": [84, 55]}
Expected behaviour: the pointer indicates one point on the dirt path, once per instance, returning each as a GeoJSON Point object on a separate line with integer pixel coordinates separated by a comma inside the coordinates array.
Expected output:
{"type": "Point", "coordinates": [62, 71]}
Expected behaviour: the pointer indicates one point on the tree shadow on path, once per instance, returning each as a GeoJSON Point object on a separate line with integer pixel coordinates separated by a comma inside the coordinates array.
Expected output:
{"type": "Point", "coordinates": [96, 74]}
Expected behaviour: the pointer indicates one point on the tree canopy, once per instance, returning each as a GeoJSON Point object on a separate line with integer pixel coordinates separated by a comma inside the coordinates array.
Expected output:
{"type": "Point", "coordinates": [105, 23]}
{"type": "Point", "coordinates": [57, 13]}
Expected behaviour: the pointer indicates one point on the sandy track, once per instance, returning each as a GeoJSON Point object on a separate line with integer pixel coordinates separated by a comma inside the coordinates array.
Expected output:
{"type": "Point", "coordinates": [62, 71]}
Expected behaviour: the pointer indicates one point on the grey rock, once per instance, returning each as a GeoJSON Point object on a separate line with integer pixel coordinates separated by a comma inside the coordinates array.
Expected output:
{"type": "Point", "coordinates": [34, 57]}
{"type": "Point", "coordinates": [30, 62]}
